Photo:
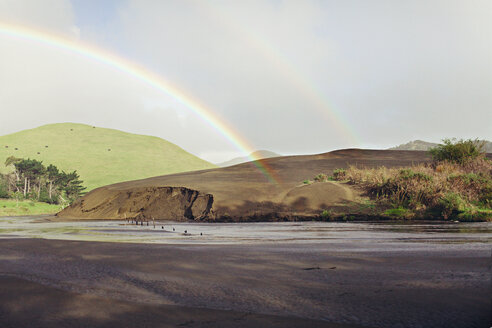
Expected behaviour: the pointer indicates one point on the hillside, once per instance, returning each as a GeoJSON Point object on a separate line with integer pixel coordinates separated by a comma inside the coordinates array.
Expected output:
{"type": "Point", "coordinates": [101, 156]}
{"type": "Point", "coordinates": [257, 154]}
{"type": "Point", "coordinates": [242, 192]}
{"type": "Point", "coordinates": [424, 145]}
{"type": "Point", "coordinates": [415, 145]}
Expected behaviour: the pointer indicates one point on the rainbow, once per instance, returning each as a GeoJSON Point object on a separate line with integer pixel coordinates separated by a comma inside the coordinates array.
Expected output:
{"type": "Point", "coordinates": [140, 73]}
{"type": "Point", "coordinates": [285, 67]}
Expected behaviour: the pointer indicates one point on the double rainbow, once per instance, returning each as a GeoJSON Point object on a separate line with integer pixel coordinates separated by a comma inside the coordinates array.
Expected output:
{"type": "Point", "coordinates": [315, 98]}
{"type": "Point", "coordinates": [140, 73]}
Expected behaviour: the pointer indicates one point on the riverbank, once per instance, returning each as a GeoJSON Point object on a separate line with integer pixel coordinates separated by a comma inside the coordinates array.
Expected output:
{"type": "Point", "coordinates": [11, 207]}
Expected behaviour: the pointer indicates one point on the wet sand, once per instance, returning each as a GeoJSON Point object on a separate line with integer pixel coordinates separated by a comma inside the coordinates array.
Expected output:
{"type": "Point", "coordinates": [396, 283]}
{"type": "Point", "coordinates": [35, 305]}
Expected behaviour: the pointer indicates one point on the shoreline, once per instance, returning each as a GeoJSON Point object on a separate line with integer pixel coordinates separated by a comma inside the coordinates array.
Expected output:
{"type": "Point", "coordinates": [389, 220]}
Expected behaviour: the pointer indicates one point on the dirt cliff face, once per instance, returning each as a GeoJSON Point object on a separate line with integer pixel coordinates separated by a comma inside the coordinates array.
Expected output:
{"type": "Point", "coordinates": [241, 192]}
{"type": "Point", "coordinates": [164, 203]}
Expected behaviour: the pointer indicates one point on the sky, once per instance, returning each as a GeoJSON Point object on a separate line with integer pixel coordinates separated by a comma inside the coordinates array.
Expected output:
{"type": "Point", "coordinates": [293, 77]}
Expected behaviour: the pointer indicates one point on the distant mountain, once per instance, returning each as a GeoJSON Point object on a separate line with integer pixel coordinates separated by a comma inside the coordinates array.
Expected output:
{"type": "Point", "coordinates": [424, 145]}
{"type": "Point", "coordinates": [101, 156]}
{"type": "Point", "coordinates": [415, 145]}
{"type": "Point", "coordinates": [257, 154]}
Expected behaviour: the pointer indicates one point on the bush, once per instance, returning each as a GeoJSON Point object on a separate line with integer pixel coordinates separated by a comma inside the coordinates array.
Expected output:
{"type": "Point", "coordinates": [408, 174]}
{"type": "Point", "coordinates": [45, 198]}
{"type": "Point", "coordinates": [451, 205]}
{"type": "Point", "coordinates": [399, 212]}
{"type": "Point", "coordinates": [443, 189]}
{"type": "Point", "coordinates": [325, 214]}
{"type": "Point", "coordinates": [474, 215]}
{"type": "Point", "coordinates": [3, 191]}
{"type": "Point", "coordinates": [461, 151]}
{"type": "Point", "coordinates": [339, 174]}
{"type": "Point", "coordinates": [321, 178]}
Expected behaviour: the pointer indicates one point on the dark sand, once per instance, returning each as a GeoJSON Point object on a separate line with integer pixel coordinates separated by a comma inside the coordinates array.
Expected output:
{"type": "Point", "coordinates": [242, 192]}
{"type": "Point", "coordinates": [53, 283]}
{"type": "Point", "coordinates": [28, 304]}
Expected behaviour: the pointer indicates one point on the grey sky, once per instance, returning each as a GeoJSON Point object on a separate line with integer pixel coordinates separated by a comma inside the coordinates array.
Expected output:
{"type": "Point", "coordinates": [289, 76]}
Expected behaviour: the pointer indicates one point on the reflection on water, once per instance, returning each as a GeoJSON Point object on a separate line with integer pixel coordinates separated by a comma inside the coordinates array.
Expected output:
{"type": "Point", "coordinates": [232, 233]}
{"type": "Point", "coordinates": [439, 227]}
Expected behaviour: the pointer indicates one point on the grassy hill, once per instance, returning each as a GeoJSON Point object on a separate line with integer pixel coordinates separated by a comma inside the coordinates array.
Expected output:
{"type": "Point", "coordinates": [256, 154]}
{"type": "Point", "coordinates": [101, 156]}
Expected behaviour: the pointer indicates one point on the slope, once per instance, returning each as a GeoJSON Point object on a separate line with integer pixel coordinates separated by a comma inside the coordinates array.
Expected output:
{"type": "Point", "coordinates": [240, 192]}
{"type": "Point", "coordinates": [101, 156]}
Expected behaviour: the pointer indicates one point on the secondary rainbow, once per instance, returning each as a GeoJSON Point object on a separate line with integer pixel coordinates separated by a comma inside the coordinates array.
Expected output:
{"type": "Point", "coordinates": [316, 100]}
{"type": "Point", "coordinates": [144, 75]}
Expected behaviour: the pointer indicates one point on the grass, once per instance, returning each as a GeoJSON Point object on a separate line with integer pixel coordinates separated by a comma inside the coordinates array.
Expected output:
{"type": "Point", "coordinates": [10, 207]}
{"type": "Point", "coordinates": [438, 190]}
{"type": "Point", "coordinates": [101, 156]}
{"type": "Point", "coordinates": [397, 213]}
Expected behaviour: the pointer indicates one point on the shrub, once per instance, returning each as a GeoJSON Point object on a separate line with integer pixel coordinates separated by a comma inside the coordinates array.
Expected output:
{"type": "Point", "coordinates": [407, 174]}
{"type": "Point", "coordinates": [460, 151]}
{"type": "Point", "coordinates": [321, 178]}
{"type": "Point", "coordinates": [475, 214]}
{"type": "Point", "coordinates": [451, 205]}
{"type": "Point", "coordinates": [339, 174]}
{"type": "Point", "coordinates": [443, 189]}
{"type": "Point", "coordinates": [397, 212]}
{"type": "Point", "coordinates": [3, 191]}
{"type": "Point", "coordinates": [44, 197]}
{"type": "Point", "coordinates": [325, 214]}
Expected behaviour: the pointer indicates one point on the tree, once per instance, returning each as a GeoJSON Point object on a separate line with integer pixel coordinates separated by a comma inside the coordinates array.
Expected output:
{"type": "Point", "coordinates": [12, 160]}
{"type": "Point", "coordinates": [31, 179]}
{"type": "Point", "coordinates": [71, 185]}
{"type": "Point", "coordinates": [53, 177]}
{"type": "Point", "coordinates": [31, 170]}
{"type": "Point", "coordinates": [458, 151]}
{"type": "Point", "coordinates": [12, 181]}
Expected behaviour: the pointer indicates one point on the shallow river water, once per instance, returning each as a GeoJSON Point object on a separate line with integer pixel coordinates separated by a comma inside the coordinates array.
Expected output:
{"type": "Point", "coordinates": [248, 233]}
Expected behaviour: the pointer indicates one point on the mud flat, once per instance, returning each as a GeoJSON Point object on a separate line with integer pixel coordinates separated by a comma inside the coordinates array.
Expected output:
{"type": "Point", "coordinates": [365, 275]}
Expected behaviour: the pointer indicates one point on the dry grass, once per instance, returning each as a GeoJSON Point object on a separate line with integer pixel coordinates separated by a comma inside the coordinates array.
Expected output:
{"type": "Point", "coordinates": [442, 188]}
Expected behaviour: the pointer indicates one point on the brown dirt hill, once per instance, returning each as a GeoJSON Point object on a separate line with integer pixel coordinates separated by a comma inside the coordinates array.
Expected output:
{"type": "Point", "coordinates": [241, 192]}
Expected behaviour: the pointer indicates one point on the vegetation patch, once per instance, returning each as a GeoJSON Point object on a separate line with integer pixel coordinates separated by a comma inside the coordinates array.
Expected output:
{"type": "Point", "coordinates": [12, 207]}
{"type": "Point", "coordinates": [398, 213]}
{"type": "Point", "coordinates": [456, 185]}
{"type": "Point", "coordinates": [33, 187]}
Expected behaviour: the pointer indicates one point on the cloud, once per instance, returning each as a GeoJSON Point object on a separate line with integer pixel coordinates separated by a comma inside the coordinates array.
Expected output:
{"type": "Point", "coordinates": [289, 76]}
{"type": "Point", "coordinates": [59, 86]}
{"type": "Point", "coordinates": [282, 72]}
{"type": "Point", "coordinates": [50, 15]}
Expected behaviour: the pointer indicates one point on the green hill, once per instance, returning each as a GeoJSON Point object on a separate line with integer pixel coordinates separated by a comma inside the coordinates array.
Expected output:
{"type": "Point", "coordinates": [101, 156]}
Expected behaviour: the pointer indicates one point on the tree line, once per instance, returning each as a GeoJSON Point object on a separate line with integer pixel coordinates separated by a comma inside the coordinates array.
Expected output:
{"type": "Point", "coordinates": [30, 179]}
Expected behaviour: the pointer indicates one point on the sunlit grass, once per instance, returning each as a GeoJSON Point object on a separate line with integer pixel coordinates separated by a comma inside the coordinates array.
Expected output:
{"type": "Point", "coordinates": [10, 207]}
{"type": "Point", "coordinates": [101, 156]}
